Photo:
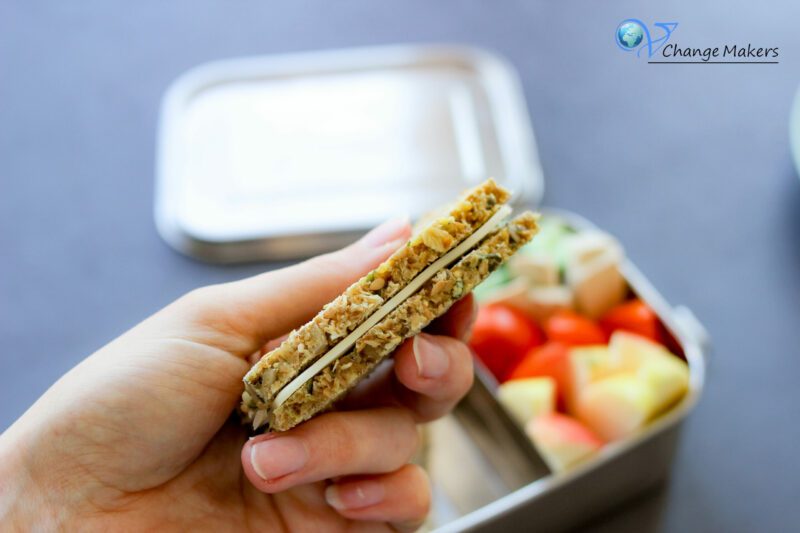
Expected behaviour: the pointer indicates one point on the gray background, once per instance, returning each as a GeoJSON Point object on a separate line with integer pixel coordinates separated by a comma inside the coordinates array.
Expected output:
{"type": "Point", "coordinates": [689, 165]}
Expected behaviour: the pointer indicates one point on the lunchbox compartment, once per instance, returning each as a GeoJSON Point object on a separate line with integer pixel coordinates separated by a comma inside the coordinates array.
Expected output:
{"type": "Point", "coordinates": [487, 475]}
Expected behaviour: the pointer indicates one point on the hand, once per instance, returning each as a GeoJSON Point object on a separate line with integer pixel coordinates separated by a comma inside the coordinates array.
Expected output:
{"type": "Point", "coordinates": [139, 435]}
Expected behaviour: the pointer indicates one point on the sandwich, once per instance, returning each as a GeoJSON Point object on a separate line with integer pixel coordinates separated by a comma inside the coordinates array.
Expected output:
{"type": "Point", "coordinates": [322, 360]}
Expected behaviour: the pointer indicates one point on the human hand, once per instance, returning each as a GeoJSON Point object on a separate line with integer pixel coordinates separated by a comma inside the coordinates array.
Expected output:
{"type": "Point", "coordinates": [139, 435]}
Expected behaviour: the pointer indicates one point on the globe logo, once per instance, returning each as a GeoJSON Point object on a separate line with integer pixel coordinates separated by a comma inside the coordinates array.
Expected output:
{"type": "Point", "coordinates": [630, 35]}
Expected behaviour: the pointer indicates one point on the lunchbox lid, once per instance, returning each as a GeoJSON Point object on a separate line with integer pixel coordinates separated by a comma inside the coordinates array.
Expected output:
{"type": "Point", "coordinates": [280, 157]}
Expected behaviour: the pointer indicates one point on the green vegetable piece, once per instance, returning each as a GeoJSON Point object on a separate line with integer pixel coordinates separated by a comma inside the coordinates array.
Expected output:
{"type": "Point", "coordinates": [550, 241]}
{"type": "Point", "coordinates": [491, 284]}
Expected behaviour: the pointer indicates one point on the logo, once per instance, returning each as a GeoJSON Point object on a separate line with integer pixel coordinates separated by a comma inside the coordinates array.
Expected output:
{"type": "Point", "coordinates": [633, 35]}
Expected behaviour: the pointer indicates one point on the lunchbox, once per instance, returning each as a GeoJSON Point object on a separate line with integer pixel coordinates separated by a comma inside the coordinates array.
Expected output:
{"type": "Point", "coordinates": [282, 157]}
{"type": "Point", "coordinates": [486, 479]}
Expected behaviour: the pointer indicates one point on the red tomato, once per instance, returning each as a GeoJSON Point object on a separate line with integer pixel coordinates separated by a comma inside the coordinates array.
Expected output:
{"type": "Point", "coordinates": [573, 329]}
{"type": "Point", "coordinates": [634, 316]}
{"type": "Point", "coordinates": [501, 336]}
{"type": "Point", "coordinates": [549, 360]}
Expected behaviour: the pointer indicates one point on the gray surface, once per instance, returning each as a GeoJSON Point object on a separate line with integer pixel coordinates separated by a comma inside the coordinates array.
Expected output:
{"type": "Point", "coordinates": [688, 165]}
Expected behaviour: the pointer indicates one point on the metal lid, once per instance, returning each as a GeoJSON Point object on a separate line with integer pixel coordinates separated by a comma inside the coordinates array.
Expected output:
{"type": "Point", "coordinates": [288, 156]}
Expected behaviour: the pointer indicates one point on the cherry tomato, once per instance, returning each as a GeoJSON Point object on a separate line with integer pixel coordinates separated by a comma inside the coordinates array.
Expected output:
{"type": "Point", "coordinates": [550, 360]}
{"type": "Point", "coordinates": [502, 336]}
{"type": "Point", "coordinates": [570, 328]}
{"type": "Point", "coordinates": [634, 316]}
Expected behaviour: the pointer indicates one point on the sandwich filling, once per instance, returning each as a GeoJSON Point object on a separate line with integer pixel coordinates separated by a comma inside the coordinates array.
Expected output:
{"type": "Point", "coordinates": [345, 345]}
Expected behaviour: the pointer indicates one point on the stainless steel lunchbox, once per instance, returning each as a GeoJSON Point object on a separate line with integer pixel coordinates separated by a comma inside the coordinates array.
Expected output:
{"type": "Point", "coordinates": [483, 481]}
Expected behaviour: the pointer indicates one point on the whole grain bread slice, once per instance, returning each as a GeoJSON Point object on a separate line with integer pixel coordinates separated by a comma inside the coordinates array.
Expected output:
{"type": "Point", "coordinates": [338, 318]}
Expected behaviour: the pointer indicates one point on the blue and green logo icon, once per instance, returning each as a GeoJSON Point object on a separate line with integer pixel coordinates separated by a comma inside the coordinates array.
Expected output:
{"type": "Point", "coordinates": [630, 35]}
{"type": "Point", "coordinates": [634, 35]}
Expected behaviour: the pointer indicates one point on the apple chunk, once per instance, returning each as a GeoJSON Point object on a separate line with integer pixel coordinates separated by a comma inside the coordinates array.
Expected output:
{"type": "Point", "coordinates": [562, 440]}
{"type": "Point", "coordinates": [528, 398]}
{"type": "Point", "coordinates": [593, 261]}
{"type": "Point", "coordinates": [537, 270]}
{"type": "Point", "coordinates": [617, 406]}
{"type": "Point", "coordinates": [587, 364]}
{"type": "Point", "coordinates": [543, 302]}
{"type": "Point", "coordinates": [665, 374]}
{"type": "Point", "coordinates": [646, 379]}
{"type": "Point", "coordinates": [571, 368]}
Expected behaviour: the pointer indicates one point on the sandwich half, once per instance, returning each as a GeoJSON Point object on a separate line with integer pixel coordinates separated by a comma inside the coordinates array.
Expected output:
{"type": "Point", "coordinates": [322, 360]}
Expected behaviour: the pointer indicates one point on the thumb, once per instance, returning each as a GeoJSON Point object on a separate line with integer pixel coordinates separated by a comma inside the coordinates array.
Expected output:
{"type": "Point", "coordinates": [241, 316]}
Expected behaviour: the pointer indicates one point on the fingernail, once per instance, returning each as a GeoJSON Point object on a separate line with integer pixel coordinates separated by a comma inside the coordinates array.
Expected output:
{"type": "Point", "coordinates": [432, 360]}
{"type": "Point", "coordinates": [278, 457]}
{"type": "Point", "coordinates": [390, 230]}
{"type": "Point", "coordinates": [354, 495]}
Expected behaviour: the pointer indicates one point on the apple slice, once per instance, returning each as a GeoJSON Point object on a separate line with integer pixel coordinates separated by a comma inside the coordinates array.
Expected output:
{"type": "Point", "coordinates": [598, 286]}
{"type": "Point", "coordinates": [528, 398]}
{"type": "Point", "coordinates": [537, 270]}
{"type": "Point", "coordinates": [593, 261]}
{"type": "Point", "coordinates": [543, 302]}
{"type": "Point", "coordinates": [664, 373]}
{"type": "Point", "coordinates": [617, 406]}
{"type": "Point", "coordinates": [587, 364]}
{"type": "Point", "coordinates": [514, 293]}
{"type": "Point", "coordinates": [562, 440]}
{"type": "Point", "coordinates": [538, 303]}
{"type": "Point", "coordinates": [640, 380]}
{"type": "Point", "coordinates": [571, 368]}
{"type": "Point", "coordinates": [632, 349]}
